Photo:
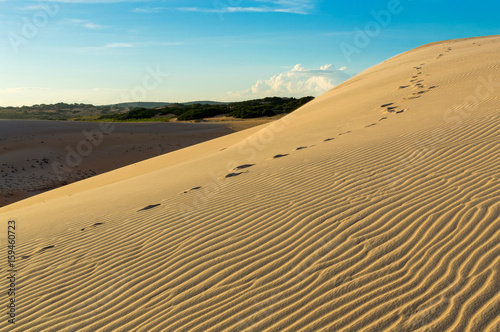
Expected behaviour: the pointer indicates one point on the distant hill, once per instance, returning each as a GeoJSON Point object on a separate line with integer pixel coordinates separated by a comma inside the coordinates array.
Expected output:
{"type": "Point", "coordinates": [141, 104]}
{"type": "Point", "coordinates": [198, 110]}
{"type": "Point", "coordinates": [205, 102]}
{"type": "Point", "coordinates": [155, 111]}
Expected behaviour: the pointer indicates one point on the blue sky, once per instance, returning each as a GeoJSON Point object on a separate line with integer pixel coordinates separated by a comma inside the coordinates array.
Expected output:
{"type": "Point", "coordinates": [111, 51]}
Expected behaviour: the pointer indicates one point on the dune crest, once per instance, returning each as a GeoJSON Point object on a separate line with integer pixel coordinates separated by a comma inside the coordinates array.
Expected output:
{"type": "Point", "coordinates": [376, 207]}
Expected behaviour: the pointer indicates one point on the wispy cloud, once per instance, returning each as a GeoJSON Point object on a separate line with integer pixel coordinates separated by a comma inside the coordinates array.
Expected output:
{"type": "Point", "coordinates": [297, 82]}
{"type": "Point", "coordinates": [124, 46]}
{"type": "Point", "coordinates": [294, 6]}
{"type": "Point", "coordinates": [84, 23]}
{"type": "Point", "coordinates": [303, 7]}
{"type": "Point", "coordinates": [33, 7]}
{"type": "Point", "coordinates": [118, 45]}
{"type": "Point", "coordinates": [229, 10]}
{"type": "Point", "coordinates": [149, 10]}
{"type": "Point", "coordinates": [93, 1]}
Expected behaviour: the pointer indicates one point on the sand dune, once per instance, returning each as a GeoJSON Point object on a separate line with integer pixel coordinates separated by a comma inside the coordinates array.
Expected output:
{"type": "Point", "coordinates": [376, 207]}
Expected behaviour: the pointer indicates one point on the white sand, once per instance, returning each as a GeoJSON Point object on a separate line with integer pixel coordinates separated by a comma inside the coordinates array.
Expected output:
{"type": "Point", "coordinates": [391, 225]}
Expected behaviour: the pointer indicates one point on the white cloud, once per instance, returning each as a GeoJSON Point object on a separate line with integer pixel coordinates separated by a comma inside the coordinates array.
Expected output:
{"type": "Point", "coordinates": [93, 1]}
{"type": "Point", "coordinates": [33, 7]}
{"type": "Point", "coordinates": [119, 45]}
{"type": "Point", "coordinates": [228, 10]}
{"type": "Point", "coordinates": [294, 6]}
{"type": "Point", "coordinates": [84, 23]}
{"type": "Point", "coordinates": [142, 44]}
{"type": "Point", "coordinates": [149, 10]}
{"type": "Point", "coordinates": [90, 25]}
{"type": "Point", "coordinates": [303, 7]}
{"type": "Point", "coordinates": [297, 82]}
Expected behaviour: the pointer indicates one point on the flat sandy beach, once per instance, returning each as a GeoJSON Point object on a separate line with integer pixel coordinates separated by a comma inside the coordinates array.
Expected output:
{"type": "Point", "coordinates": [31, 152]}
{"type": "Point", "coordinates": [375, 207]}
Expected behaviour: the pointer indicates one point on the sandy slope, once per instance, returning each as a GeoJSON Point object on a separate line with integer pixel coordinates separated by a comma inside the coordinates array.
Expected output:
{"type": "Point", "coordinates": [346, 216]}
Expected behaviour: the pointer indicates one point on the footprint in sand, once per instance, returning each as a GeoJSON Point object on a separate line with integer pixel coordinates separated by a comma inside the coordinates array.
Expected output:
{"type": "Point", "coordinates": [39, 251]}
{"type": "Point", "coordinates": [234, 171]}
{"type": "Point", "coordinates": [242, 167]}
{"type": "Point", "coordinates": [385, 105]}
{"type": "Point", "coordinates": [94, 225]}
{"type": "Point", "coordinates": [402, 111]}
{"type": "Point", "coordinates": [279, 156]}
{"type": "Point", "coordinates": [384, 118]}
{"type": "Point", "coordinates": [230, 175]}
{"type": "Point", "coordinates": [149, 207]}
{"type": "Point", "coordinates": [194, 188]}
{"type": "Point", "coordinates": [328, 139]}
{"type": "Point", "coordinates": [301, 148]}
{"type": "Point", "coordinates": [403, 87]}
{"type": "Point", "coordinates": [371, 125]}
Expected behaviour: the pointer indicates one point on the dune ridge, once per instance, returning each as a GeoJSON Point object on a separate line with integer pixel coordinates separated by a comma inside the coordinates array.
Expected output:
{"type": "Point", "coordinates": [346, 215]}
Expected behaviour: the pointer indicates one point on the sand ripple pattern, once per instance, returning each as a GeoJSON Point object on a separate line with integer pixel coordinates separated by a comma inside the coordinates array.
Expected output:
{"type": "Point", "coordinates": [398, 236]}
{"type": "Point", "coordinates": [407, 242]}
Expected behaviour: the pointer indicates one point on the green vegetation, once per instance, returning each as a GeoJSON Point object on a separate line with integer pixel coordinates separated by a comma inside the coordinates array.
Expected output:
{"type": "Point", "coordinates": [266, 107]}
{"type": "Point", "coordinates": [247, 109]}
{"type": "Point", "coordinates": [183, 112]}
